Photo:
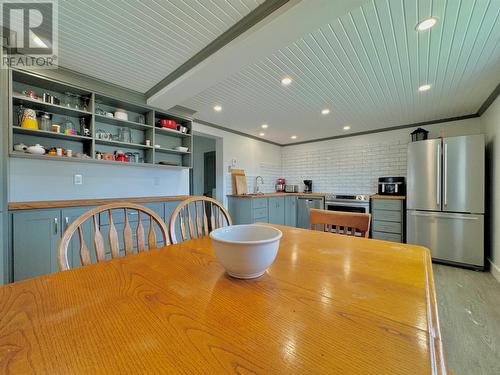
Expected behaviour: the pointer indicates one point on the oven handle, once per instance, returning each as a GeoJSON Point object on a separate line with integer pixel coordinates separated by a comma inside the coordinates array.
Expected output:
{"type": "Point", "coordinates": [345, 204]}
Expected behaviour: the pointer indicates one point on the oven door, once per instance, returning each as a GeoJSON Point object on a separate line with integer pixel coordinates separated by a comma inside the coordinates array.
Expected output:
{"type": "Point", "coordinates": [363, 208]}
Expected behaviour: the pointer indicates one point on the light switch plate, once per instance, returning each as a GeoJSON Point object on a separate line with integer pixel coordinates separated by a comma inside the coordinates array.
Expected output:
{"type": "Point", "coordinates": [78, 179]}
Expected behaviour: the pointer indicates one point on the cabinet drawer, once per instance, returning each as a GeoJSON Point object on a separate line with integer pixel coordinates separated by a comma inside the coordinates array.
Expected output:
{"type": "Point", "coordinates": [387, 204]}
{"type": "Point", "coordinates": [260, 213]}
{"type": "Point", "coordinates": [119, 214]}
{"type": "Point", "coordinates": [387, 236]}
{"type": "Point", "coordinates": [259, 203]}
{"type": "Point", "coordinates": [386, 226]}
{"type": "Point", "coordinates": [385, 215]}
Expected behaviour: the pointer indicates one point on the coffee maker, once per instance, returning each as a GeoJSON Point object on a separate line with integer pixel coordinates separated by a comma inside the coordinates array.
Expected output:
{"type": "Point", "coordinates": [308, 186]}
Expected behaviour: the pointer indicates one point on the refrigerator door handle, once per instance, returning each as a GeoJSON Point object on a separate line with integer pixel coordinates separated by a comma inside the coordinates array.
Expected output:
{"type": "Point", "coordinates": [445, 173]}
{"type": "Point", "coordinates": [447, 216]}
{"type": "Point", "coordinates": [438, 178]}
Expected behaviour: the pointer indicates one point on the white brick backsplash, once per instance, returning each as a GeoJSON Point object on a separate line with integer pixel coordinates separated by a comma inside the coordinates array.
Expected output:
{"type": "Point", "coordinates": [349, 165]}
{"type": "Point", "coordinates": [345, 169]}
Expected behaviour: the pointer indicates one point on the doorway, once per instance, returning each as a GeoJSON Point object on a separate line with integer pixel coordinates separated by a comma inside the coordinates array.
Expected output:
{"type": "Point", "coordinates": [204, 171]}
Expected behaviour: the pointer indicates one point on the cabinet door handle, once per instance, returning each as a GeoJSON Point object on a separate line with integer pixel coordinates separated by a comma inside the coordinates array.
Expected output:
{"type": "Point", "coordinates": [56, 224]}
{"type": "Point", "coordinates": [66, 222]}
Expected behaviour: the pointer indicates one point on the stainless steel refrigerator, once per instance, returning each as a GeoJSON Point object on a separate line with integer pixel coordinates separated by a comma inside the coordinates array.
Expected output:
{"type": "Point", "coordinates": [445, 192]}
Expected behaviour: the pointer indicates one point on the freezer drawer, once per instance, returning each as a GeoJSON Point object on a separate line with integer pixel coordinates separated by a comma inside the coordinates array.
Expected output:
{"type": "Point", "coordinates": [450, 237]}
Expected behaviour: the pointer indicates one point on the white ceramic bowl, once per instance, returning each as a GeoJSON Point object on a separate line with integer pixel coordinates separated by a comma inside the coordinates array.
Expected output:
{"type": "Point", "coordinates": [181, 148]}
{"type": "Point", "coordinates": [246, 251]}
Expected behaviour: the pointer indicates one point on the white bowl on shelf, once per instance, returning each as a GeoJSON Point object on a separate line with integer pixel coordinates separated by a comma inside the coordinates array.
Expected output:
{"type": "Point", "coordinates": [120, 114]}
{"type": "Point", "coordinates": [246, 251]}
{"type": "Point", "coordinates": [182, 148]}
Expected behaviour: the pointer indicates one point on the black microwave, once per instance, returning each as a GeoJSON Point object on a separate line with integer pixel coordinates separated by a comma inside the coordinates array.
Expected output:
{"type": "Point", "coordinates": [391, 186]}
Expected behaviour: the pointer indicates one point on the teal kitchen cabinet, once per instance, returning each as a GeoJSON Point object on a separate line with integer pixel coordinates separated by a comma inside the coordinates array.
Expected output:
{"type": "Point", "coordinates": [276, 207]}
{"type": "Point", "coordinates": [388, 219]}
{"type": "Point", "coordinates": [280, 210]}
{"type": "Point", "coordinates": [291, 211]}
{"type": "Point", "coordinates": [35, 237]}
{"type": "Point", "coordinates": [248, 210]}
{"type": "Point", "coordinates": [69, 215]}
{"type": "Point", "coordinates": [133, 217]}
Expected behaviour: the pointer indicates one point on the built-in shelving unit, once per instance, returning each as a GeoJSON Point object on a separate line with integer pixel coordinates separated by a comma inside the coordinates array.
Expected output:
{"type": "Point", "coordinates": [153, 145]}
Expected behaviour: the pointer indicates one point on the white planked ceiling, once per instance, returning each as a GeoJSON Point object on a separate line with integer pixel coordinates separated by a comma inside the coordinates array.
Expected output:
{"type": "Point", "coordinates": [138, 43]}
{"type": "Point", "coordinates": [366, 66]}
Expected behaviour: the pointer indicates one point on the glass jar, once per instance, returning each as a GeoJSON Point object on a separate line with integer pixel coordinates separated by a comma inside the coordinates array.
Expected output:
{"type": "Point", "coordinates": [45, 121]}
{"type": "Point", "coordinates": [28, 119]}
{"type": "Point", "coordinates": [69, 127]}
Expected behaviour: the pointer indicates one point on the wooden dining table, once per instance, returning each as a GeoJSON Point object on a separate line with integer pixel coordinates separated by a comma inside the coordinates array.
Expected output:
{"type": "Point", "coordinates": [329, 304]}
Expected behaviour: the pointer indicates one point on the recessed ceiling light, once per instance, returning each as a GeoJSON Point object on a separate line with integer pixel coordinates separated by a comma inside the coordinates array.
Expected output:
{"type": "Point", "coordinates": [262, 134]}
{"type": "Point", "coordinates": [325, 111]}
{"type": "Point", "coordinates": [217, 108]}
{"type": "Point", "coordinates": [347, 127]}
{"type": "Point", "coordinates": [286, 81]}
{"type": "Point", "coordinates": [426, 24]}
{"type": "Point", "coordinates": [264, 126]}
{"type": "Point", "coordinates": [293, 137]}
{"type": "Point", "coordinates": [424, 87]}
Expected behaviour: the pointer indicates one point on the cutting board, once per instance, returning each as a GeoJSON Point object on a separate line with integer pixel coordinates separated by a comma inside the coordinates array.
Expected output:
{"type": "Point", "coordinates": [234, 173]}
{"type": "Point", "coordinates": [241, 185]}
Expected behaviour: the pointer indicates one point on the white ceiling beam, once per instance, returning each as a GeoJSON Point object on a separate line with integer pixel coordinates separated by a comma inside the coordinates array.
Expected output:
{"type": "Point", "coordinates": [284, 26]}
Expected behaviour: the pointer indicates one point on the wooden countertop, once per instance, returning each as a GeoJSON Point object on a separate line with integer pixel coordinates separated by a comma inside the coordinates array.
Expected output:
{"type": "Point", "coordinates": [89, 202]}
{"type": "Point", "coordinates": [328, 304]}
{"type": "Point", "coordinates": [266, 195]}
{"type": "Point", "coordinates": [378, 196]}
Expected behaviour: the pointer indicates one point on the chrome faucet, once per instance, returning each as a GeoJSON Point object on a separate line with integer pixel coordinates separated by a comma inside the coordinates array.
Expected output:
{"type": "Point", "coordinates": [257, 186]}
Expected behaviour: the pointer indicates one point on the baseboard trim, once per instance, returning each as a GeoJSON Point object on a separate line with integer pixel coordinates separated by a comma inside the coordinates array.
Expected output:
{"type": "Point", "coordinates": [495, 270]}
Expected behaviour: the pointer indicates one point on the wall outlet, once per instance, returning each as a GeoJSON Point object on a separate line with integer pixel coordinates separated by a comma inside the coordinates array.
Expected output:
{"type": "Point", "coordinates": [78, 179]}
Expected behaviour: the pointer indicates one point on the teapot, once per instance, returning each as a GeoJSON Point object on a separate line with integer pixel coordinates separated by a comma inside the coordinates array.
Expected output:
{"type": "Point", "coordinates": [36, 149]}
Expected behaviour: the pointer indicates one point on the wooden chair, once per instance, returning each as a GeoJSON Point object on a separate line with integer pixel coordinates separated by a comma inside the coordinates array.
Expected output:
{"type": "Point", "coordinates": [99, 247]}
{"type": "Point", "coordinates": [347, 223]}
{"type": "Point", "coordinates": [209, 214]}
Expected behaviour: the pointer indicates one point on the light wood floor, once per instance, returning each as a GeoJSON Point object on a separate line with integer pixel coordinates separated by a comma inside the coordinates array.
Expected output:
{"type": "Point", "coordinates": [469, 313]}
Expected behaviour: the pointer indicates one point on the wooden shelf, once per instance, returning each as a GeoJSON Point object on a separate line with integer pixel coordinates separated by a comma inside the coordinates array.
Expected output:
{"type": "Point", "coordinates": [48, 134]}
{"type": "Point", "coordinates": [24, 155]}
{"type": "Point", "coordinates": [171, 151]}
{"type": "Point", "coordinates": [171, 132]}
{"type": "Point", "coordinates": [123, 123]}
{"type": "Point", "coordinates": [38, 105]}
{"type": "Point", "coordinates": [122, 144]}
{"type": "Point", "coordinates": [22, 80]}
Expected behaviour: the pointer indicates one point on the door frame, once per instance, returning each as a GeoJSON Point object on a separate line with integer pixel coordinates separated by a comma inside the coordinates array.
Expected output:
{"type": "Point", "coordinates": [219, 166]}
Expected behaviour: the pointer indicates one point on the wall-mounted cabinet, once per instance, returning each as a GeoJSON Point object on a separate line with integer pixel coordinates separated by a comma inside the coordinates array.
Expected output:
{"type": "Point", "coordinates": [94, 127]}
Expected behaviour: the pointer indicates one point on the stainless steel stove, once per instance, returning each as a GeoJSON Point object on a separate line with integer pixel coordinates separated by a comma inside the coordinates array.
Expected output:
{"type": "Point", "coordinates": [348, 202]}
